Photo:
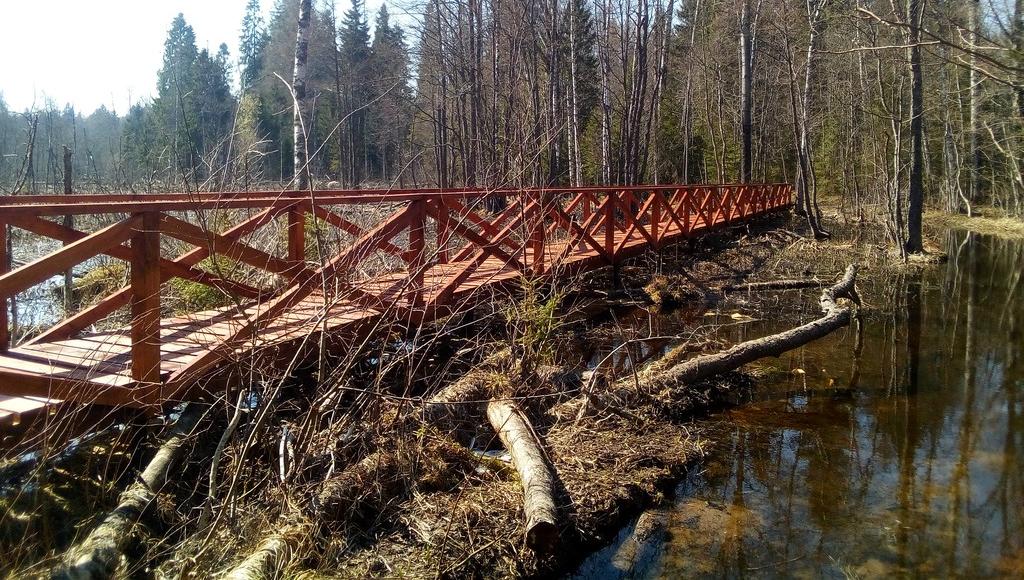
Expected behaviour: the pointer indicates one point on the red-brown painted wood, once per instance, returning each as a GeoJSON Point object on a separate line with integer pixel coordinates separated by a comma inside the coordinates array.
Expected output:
{"type": "Point", "coordinates": [539, 233]}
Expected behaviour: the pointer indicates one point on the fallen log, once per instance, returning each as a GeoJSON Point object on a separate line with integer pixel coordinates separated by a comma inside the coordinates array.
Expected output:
{"type": "Point", "coordinates": [774, 285]}
{"type": "Point", "coordinates": [272, 555]}
{"type": "Point", "coordinates": [102, 552]}
{"type": "Point", "coordinates": [834, 316]}
{"type": "Point", "coordinates": [366, 485]}
{"type": "Point", "coordinates": [536, 475]}
{"type": "Point", "coordinates": [369, 484]}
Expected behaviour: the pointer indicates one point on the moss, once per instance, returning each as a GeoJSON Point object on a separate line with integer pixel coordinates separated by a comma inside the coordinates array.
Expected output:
{"type": "Point", "coordinates": [99, 282]}
{"type": "Point", "coordinates": [193, 296]}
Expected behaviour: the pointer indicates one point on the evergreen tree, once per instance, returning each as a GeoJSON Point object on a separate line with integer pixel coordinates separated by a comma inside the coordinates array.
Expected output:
{"type": "Point", "coordinates": [252, 43]}
{"type": "Point", "coordinates": [193, 106]}
{"type": "Point", "coordinates": [214, 103]}
{"type": "Point", "coordinates": [388, 118]}
{"type": "Point", "coordinates": [355, 58]}
{"type": "Point", "coordinates": [587, 73]}
{"type": "Point", "coordinates": [174, 110]}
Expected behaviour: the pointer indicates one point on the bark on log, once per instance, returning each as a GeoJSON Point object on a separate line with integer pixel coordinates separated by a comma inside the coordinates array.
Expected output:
{"type": "Point", "coordinates": [270, 557]}
{"type": "Point", "coordinates": [101, 553]}
{"type": "Point", "coordinates": [536, 476]}
{"type": "Point", "coordinates": [453, 405]}
{"type": "Point", "coordinates": [774, 285]}
{"type": "Point", "coordinates": [371, 482]}
{"type": "Point", "coordinates": [834, 317]}
{"type": "Point", "coordinates": [461, 404]}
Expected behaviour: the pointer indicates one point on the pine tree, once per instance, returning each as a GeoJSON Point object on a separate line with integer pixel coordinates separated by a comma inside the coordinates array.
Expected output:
{"type": "Point", "coordinates": [388, 118]}
{"type": "Point", "coordinates": [355, 56]}
{"type": "Point", "coordinates": [252, 43]}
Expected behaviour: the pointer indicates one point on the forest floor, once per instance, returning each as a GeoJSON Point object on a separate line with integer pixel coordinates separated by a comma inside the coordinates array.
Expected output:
{"type": "Point", "coordinates": [461, 515]}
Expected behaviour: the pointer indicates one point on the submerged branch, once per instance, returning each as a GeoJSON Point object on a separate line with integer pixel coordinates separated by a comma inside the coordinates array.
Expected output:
{"type": "Point", "coordinates": [834, 316]}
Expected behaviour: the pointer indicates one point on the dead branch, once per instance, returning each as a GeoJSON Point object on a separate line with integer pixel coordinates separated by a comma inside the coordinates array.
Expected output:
{"type": "Point", "coordinates": [835, 316]}
{"type": "Point", "coordinates": [101, 553]}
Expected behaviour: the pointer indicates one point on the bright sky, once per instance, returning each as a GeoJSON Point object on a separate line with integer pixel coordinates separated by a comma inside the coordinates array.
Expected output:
{"type": "Point", "coordinates": [105, 52]}
{"type": "Point", "coordinates": [99, 52]}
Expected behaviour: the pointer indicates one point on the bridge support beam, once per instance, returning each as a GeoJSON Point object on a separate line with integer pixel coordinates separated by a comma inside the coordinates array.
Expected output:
{"type": "Point", "coordinates": [145, 285]}
{"type": "Point", "coordinates": [5, 330]}
{"type": "Point", "coordinates": [297, 236]}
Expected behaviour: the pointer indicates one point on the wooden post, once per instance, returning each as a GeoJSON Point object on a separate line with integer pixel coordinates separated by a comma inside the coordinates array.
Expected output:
{"type": "Point", "coordinates": [609, 224]}
{"type": "Point", "coordinates": [416, 256]}
{"type": "Point", "coordinates": [656, 216]}
{"type": "Point", "coordinates": [5, 331]}
{"type": "Point", "coordinates": [443, 235]}
{"type": "Point", "coordinates": [297, 236]}
{"type": "Point", "coordinates": [684, 205]}
{"type": "Point", "coordinates": [145, 284]}
{"type": "Point", "coordinates": [537, 235]}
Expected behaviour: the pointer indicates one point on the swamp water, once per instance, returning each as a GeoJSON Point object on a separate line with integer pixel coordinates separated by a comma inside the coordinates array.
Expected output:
{"type": "Point", "coordinates": [892, 449]}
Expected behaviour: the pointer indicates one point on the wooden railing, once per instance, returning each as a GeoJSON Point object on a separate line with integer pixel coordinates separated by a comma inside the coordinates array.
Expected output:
{"type": "Point", "coordinates": [535, 232]}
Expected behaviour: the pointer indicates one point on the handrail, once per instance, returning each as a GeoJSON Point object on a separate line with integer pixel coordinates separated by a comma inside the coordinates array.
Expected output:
{"type": "Point", "coordinates": [538, 233]}
{"type": "Point", "coordinates": [79, 204]}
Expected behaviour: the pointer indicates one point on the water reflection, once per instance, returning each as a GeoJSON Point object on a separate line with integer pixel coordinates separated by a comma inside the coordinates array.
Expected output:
{"type": "Point", "coordinates": [895, 452]}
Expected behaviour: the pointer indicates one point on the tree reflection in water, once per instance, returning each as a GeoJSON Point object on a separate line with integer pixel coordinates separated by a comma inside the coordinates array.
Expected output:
{"type": "Point", "coordinates": [897, 452]}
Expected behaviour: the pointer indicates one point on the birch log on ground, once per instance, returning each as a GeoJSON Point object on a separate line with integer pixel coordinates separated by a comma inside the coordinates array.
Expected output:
{"type": "Point", "coordinates": [774, 285]}
{"type": "Point", "coordinates": [834, 316]}
{"type": "Point", "coordinates": [537, 478]}
{"type": "Point", "coordinates": [366, 485]}
{"type": "Point", "coordinates": [101, 553]}
{"type": "Point", "coordinates": [270, 557]}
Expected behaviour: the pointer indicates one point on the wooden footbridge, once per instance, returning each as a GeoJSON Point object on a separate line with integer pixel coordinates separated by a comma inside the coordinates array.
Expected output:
{"type": "Point", "coordinates": [294, 263]}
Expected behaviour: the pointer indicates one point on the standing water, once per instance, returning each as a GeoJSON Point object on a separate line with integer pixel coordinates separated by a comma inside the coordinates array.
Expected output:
{"type": "Point", "coordinates": [892, 448]}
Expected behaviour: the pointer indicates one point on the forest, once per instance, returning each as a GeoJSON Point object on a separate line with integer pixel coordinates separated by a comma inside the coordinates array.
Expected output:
{"type": "Point", "coordinates": [882, 108]}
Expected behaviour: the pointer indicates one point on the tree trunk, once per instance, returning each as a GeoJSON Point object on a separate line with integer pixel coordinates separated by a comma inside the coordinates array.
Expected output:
{"type": "Point", "coordinates": [915, 199]}
{"type": "Point", "coordinates": [835, 316]}
{"type": "Point", "coordinates": [270, 557]}
{"type": "Point", "coordinates": [974, 80]}
{"type": "Point", "coordinates": [301, 105]}
{"type": "Point", "coordinates": [101, 553]}
{"type": "Point", "coordinates": [746, 91]}
{"type": "Point", "coordinates": [806, 187]}
{"type": "Point", "coordinates": [534, 473]}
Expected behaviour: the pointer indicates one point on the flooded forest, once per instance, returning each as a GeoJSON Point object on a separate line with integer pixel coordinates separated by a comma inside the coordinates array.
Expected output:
{"type": "Point", "coordinates": [516, 288]}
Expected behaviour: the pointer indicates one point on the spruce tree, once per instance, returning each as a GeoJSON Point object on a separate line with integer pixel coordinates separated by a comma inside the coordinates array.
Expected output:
{"type": "Point", "coordinates": [355, 57]}
{"type": "Point", "coordinates": [388, 118]}
{"type": "Point", "coordinates": [252, 43]}
{"type": "Point", "coordinates": [174, 106]}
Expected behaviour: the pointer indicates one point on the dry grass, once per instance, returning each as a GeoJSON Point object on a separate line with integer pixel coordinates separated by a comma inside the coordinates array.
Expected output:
{"type": "Point", "coordinates": [467, 521]}
{"type": "Point", "coordinates": [988, 222]}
